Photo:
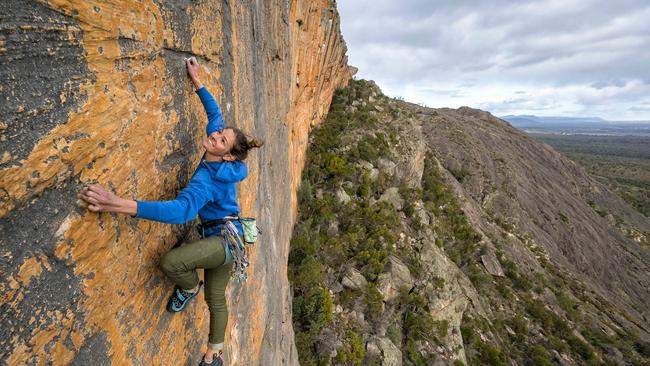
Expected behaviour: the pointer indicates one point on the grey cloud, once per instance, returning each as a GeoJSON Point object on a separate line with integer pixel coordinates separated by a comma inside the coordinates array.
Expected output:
{"type": "Point", "coordinates": [467, 43]}
{"type": "Point", "coordinates": [455, 93]}
{"type": "Point", "coordinates": [639, 109]}
{"type": "Point", "coordinates": [605, 83]}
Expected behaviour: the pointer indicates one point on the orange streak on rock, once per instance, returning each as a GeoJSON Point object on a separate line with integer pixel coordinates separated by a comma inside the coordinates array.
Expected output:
{"type": "Point", "coordinates": [10, 293]}
{"type": "Point", "coordinates": [30, 268]}
{"type": "Point", "coordinates": [20, 354]}
{"type": "Point", "coordinates": [124, 127]}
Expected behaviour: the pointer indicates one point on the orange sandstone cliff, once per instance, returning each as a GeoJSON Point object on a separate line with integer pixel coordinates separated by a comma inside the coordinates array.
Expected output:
{"type": "Point", "coordinates": [97, 91]}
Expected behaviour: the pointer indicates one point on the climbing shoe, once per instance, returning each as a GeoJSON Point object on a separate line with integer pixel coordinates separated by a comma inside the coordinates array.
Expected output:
{"type": "Point", "coordinates": [180, 298]}
{"type": "Point", "coordinates": [217, 361]}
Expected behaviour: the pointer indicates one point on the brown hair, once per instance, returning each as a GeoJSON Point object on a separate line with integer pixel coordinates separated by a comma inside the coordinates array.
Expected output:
{"type": "Point", "coordinates": [243, 144]}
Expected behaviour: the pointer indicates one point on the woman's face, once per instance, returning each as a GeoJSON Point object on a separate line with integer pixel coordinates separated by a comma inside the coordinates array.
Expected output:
{"type": "Point", "coordinates": [219, 143]}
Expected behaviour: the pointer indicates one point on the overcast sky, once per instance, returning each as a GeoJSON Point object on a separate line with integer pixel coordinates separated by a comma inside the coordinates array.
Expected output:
{"type": "Point", "coordinates": [579, 58]}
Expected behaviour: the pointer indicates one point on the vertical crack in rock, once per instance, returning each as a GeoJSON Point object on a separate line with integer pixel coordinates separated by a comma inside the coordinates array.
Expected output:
{"type": "Point", "coordinates": [226, 66]}
{"type": "Point", "coordinates": [43, 65]}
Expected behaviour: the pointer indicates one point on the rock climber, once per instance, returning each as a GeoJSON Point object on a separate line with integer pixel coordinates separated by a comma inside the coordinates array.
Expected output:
{"type": "Point", "coordinates": [211, 193]}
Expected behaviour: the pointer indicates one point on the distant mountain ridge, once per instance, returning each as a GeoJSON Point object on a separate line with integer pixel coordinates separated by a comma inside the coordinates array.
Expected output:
{"type": "Point", "coordinates": [524, 121]}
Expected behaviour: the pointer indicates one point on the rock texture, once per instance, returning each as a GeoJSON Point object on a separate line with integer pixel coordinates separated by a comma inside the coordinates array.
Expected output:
{"type": "Point", "coordinates": [542, 200]}
{"type": "Point", "coordinates": [97, 91]}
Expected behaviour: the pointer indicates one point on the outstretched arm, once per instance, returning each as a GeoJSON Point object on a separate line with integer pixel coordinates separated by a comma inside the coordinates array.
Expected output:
{"type": "Point", "coordinates": [215, 118]}
{"type": "Point", "coordinates": [179, 211]}
{"type": "Point", "coordinates": [101, 200]}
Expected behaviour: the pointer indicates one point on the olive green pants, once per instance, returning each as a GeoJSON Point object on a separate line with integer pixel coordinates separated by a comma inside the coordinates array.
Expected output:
{"type": "Point", "coordinates": [180, 265]}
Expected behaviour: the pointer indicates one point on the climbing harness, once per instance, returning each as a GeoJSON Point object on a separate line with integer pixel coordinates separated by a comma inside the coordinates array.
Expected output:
{"type": "Point", "coordinates": [237, 247]}
{"type": "Point", "coordinates": [249, 224]}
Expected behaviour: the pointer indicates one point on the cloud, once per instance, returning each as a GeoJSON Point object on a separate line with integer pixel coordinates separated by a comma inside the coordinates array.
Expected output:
{"type": "Point", "coordinates": [593, 53]}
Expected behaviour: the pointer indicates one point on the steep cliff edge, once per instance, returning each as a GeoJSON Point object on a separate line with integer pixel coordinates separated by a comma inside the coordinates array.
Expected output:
{"type": "Point", "coordinates": [440, 236]}
{"type": "Point", "coordinates": [97, 91]}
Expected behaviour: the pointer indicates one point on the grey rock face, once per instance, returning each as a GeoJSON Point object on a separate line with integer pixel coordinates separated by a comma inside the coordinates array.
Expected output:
{"type": "Point", "coordinates": [328, 344]}
{"type": "Point", "coordinates": [354, 280]}
{"type": "Point", "coordinates": [397, 277]}
{"type": "Point", "coordinates": [410, 166]}
{"type": "Point", "coordinates": [372, 349]}
{"type": "Point", "coordinates": [421, 213]}
{"type": "Point", "coordinates": [492, 265]}
{"type": "Point", "coordinates": [392, 195]}
{"type": "Point", "coordinates": [391, 355]}
{"type": "Point", "coordinates": [387, 167]}
{"type": "Point", "coordinates": [333, 228]}
{"type": "Point", "coordinates": [373, 172]}
{"type": "Point", "coordinates": [342, 196]}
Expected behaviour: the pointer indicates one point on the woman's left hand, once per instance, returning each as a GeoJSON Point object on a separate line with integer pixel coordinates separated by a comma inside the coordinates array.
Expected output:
{"type": "Point", "coordinates": [193, 70]}
{"type": "Point", "coordinates": [102, 200]}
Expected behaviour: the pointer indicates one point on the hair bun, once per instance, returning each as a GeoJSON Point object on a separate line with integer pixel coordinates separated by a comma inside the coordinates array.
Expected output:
{"type": "Point", "coordinates": [252, 143]}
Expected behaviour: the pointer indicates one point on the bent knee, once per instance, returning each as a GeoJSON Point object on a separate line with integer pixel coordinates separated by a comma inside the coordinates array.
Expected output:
{"type": "Point", "coordinates": [170, 264]}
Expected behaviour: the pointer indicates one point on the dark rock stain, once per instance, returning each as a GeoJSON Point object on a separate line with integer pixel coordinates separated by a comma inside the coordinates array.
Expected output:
{"type": "Point", "coordinates": [31, 231]}
{"type": "Point", "coordinates": [45, 80]}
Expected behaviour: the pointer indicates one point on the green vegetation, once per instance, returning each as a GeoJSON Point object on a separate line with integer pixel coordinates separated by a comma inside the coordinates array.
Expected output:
{"type": "Point", "coordinates": [454, 232]}
{"type": "Point", "coordinates": [354, 350]}
{"type": "Point", "coordinates": [366, 233]}
{"type": "Point", "coordinates": [542, 304]}
{"type": "Point", "coordinates": [479, 352]}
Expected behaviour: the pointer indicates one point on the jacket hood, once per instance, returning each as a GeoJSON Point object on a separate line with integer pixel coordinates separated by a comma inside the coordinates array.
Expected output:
{"type": "Point", "coordinates": [227, 171]}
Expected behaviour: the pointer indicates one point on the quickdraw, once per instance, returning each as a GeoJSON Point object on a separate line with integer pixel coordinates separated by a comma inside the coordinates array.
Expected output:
{"type": "Point", "coordinates": [237, 249]}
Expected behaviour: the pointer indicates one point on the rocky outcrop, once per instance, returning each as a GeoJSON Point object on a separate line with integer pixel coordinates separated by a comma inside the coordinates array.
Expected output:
{"type": "Point", "coordinates": [354, 280]}
{"type": "Point", "coordinates": [389, 353]}
{"type": "Point", "coordinates": [97, 92]}
{"type": "Point", "coordinates": [477, 244]}
{"type": "Point", "coordinates": [540, 201]}
{"type": "Point", "coordinates": [396, 278]}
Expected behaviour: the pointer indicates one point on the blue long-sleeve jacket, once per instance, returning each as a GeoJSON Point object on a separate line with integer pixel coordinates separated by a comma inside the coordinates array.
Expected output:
{"type": "Point", "coordinates": [212, 191]}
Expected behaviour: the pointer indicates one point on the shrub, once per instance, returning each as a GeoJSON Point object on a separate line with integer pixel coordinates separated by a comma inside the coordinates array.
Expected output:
{"type": "Point", "coordinates": [460, 174]}
{"type": "Point", "coordinates": [313, 311]}
{"type": "Point", "coordinates": [581, 348]}
{"type": "Point", "coordinates": [417, 323]}
{"type": "Point", "coordinates": [311, 314]}
{"type": "Point", "coordinates": [309, 273]}
{"type": "Point", "coordinates": [643, 348]}
{"type": "Point", "coordinates": [371, 148]}
{"type": "Point", "coordinates": [568, 305]}
{"type": "Point", "coordinates": [504, 224]}
{"type": "Point", "coordinates": [394, 333]}
{"type": "Point", "coordinates": [537, 356]}
{"type": "Point", "coordinates": [415, 357]}
{"type": "Point", "coordinates": [305, 347]}
{"type": "Point", "coordinates": [489, 355]}
{"type": "Point", "coordinates": [551, 322]}
{"type": "Point", "coordinates": [352, 353]}
{"type": "Point", "coordinates": [333, 165]}
{"type": "Point", "coordinates": [441, 327]}
{"type": "Point", "coordinates": [374, 301]}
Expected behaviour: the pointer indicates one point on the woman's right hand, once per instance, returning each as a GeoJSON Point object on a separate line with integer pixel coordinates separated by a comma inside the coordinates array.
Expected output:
{"type": "Point", "coordinates": [99, 199]}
